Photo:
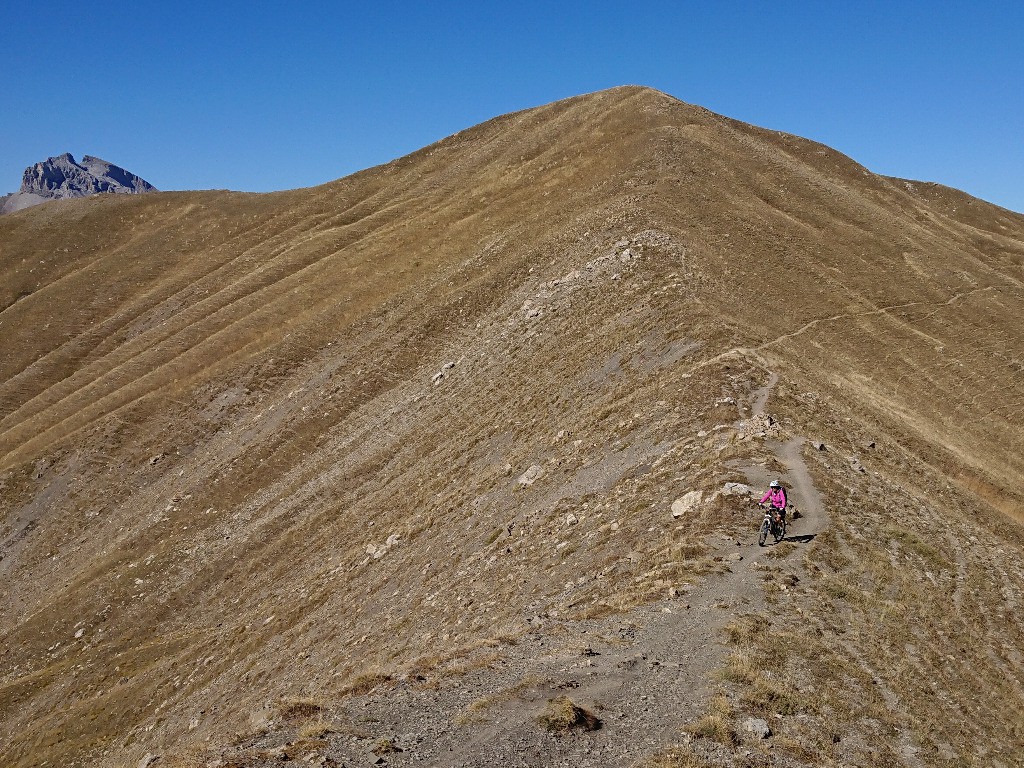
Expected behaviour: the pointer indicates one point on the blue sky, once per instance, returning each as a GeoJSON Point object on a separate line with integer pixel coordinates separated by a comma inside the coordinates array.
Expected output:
{"type": "Point", "coordinates": [275, 95]}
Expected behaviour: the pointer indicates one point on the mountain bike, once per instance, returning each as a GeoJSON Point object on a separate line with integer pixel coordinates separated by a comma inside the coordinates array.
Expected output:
{"type": "Point", "coordinates": [770, 526]}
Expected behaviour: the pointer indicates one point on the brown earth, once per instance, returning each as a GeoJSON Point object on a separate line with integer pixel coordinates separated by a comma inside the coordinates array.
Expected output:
{"type": "Point", "coordinates": [250, 505]}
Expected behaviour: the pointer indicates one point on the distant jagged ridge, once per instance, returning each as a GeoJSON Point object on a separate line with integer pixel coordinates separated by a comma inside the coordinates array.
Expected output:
{"type": "Point", "coordinates": [61, 177]}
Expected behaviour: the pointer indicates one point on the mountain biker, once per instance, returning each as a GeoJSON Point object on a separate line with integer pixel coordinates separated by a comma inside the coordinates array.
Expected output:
{"type": "Point", "coordinates": [776, 496]}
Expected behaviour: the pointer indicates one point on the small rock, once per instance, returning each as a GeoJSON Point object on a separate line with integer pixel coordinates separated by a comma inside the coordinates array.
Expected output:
{"type": "Point", "coordinates": [148, 760]}
{"type": "Point", "coordinates": [79, 633]}
{"type": "Point", "coordinates": [686, 503]}
{"type": "Point", "coordinates": [392, 540]}
{"type": "Point", "coordinates": [736, 489]}
{"type": "Point", "coordinates": [734, 557]}
{"type": "Point", "coordinates": [819, 446]}
{"type": "Point", "coordinates": [758, 727]}
{"type": "Point", "coordinates": [529, 477]}
{"type": "Point", "coordinates": [571, 519]}
{"type": "Point", "coordinates": [436, 378]}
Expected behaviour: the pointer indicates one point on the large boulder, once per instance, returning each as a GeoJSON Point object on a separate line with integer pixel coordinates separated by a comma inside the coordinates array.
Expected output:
{"type": "Point", "coordinates": [687, 503]}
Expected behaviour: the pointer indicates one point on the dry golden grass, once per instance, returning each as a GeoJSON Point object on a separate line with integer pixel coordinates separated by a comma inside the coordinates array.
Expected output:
{"type": "Point", "coordinates": [714, 727]}
{"type": "Point", "coordinates": [674, 757]}
{"type": "Point", "coordinates": [771, 695]}
{"type": "Point", "coordinates": [743, 630]}
{"type": "Point", "coordinates": [294, 709]}
{"type": "Point", "coordinates": [739, 668]}
{"type": "Point", "coordinates": [717, 724]}
{"type": "Point", "coordinates": [365, 683]}
{"type": "Point", "coordinates": [322, 725]}
{"type": "Point", "coordinates": [781, 550]}
{"type": "Point", "coordinates": [561, 714]}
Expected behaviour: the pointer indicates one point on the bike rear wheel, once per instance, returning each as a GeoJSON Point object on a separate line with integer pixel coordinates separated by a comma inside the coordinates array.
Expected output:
{"type": "Point", "coordinates": [780, 531]}
{"type": "Point", "coordinates": [763, 534]}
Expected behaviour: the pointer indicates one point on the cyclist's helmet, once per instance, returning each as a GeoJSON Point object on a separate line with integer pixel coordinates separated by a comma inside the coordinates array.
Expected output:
{"type": "Point", "coordinates": [775, 484]}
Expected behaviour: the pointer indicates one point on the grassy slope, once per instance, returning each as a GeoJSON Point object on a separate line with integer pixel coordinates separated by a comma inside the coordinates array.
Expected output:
{"type": "Point", "coordinates": [202, 391]}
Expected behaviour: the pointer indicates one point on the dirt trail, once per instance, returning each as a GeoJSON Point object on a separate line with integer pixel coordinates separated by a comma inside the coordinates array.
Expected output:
{"type": "Point", "coordinates": [644, 673]}
{"type": "Point", "coordinates": [802, 493]}
{"type": "Point", "coordinates": [813, 517]}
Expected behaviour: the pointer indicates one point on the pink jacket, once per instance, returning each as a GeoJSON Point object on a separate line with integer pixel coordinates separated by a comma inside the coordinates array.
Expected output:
{"type": "Point", "coordinates": [777, 496]}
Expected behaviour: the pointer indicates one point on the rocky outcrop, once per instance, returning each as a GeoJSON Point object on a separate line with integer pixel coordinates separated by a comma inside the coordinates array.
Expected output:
{"type": "Point", "coordinates": [61, 177]}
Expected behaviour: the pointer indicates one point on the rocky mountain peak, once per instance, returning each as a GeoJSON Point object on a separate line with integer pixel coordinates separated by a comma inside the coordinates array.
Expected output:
{"type": "Point", "coordinates": [62, 177]}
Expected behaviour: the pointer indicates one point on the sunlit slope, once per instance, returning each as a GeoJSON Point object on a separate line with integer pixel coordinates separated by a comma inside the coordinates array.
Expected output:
{"type": "Point", "coordinates": [175, 288]}
{"type": "Point", "coordinates": [216, 409]}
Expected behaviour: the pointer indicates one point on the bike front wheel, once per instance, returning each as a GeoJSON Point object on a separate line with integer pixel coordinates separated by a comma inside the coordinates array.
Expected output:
{"type": "Point", "coordinates": [763, 534]}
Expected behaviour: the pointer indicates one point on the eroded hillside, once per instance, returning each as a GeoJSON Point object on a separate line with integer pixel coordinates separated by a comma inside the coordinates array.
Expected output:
{"type": "Point", "coordinates": [349, 444]}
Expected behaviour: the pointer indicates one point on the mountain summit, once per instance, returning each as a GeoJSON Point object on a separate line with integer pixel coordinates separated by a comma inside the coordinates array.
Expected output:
{"type": "Point", "coordinates": [60, 177]}
{"type": "Point", "coordinates": [435, 461]}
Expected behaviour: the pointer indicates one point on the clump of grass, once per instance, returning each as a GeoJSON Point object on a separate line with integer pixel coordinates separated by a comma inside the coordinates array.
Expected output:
{"type": "Point", "coordinates": [365, 683]}
{"type": "Point", "coordinates": [319, 727]}
{"type": "Point", "coordinates": [689, 551]}
{"type": "Point", "coordinates": [781, 550]}
{"type": "Point", "coordinates": [835, 587]}
{"type": "Point", "coordinates": [717, 724]}
{"type": "Point", "coordinates": [598, 610]}
{"type": "Point", "coordinates": [464, 666]}
{"type": "Point", "coordinates": [745, 629]}
{"type": "Point", "coordinates": [739, 668]}
{"type": "Point", "coordinates": [769, 694]}
{"type": "Point", "coordinates": [562, 715]}
{"type": "Point", "coordinates": [294, 709]}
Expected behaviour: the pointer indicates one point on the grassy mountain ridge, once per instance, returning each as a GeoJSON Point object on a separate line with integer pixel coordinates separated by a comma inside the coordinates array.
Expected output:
{"type": "Point", "coordinates": [237, 463]}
